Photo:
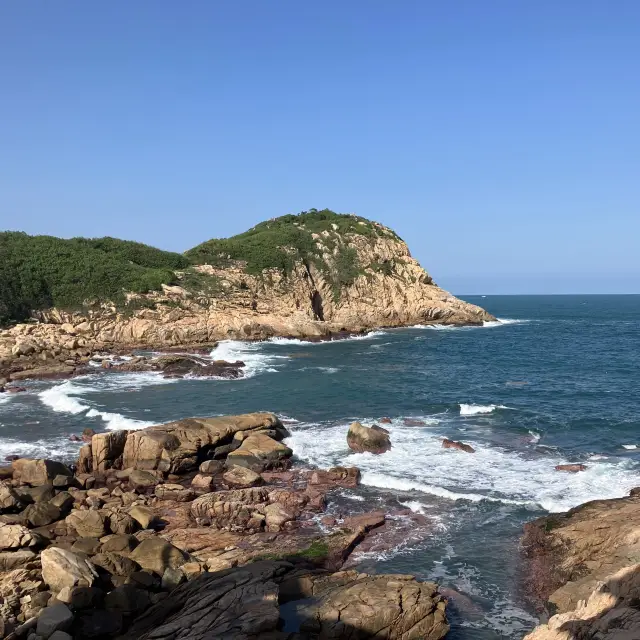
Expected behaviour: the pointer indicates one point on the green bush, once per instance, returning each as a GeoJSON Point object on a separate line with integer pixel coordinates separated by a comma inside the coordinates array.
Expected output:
{"type": "Point", "coordinates": [37, 272]}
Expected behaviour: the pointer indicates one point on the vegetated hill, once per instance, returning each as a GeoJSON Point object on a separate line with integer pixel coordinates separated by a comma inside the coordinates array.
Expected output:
{"type": "Point", "coordinates": [40, 272]}
{"type": "Point", "coordinates": [306, 275]}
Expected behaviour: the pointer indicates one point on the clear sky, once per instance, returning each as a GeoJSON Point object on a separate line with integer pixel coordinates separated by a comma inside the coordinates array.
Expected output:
{"type": "Point", "coordinates": [501, 139]}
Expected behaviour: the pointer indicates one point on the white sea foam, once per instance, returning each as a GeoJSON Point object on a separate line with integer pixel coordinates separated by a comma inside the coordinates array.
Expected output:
{"type": "Point", "coordinates": [251, 353]}
{"type": "Point", "coordinates": [59, 448]}
{"type": "Point", "coordinates": [417, 462]}
{"type": "Point", "coordinates": [116, 421]}
{"type": "Point", "coordinates": [475, 409]}
{"type": "Point", "coordinates": [59, 398]}
{"type": "Point", "coordinates": [70, 396]}
{"type": "Point", "coordinates": [535, 436]}
{"type": "Point", "coordinates": [415, 506]}
{"type": "Point", "coordinates": [630, 446]}
{"type": "Point", "coordinates": [489, 324]}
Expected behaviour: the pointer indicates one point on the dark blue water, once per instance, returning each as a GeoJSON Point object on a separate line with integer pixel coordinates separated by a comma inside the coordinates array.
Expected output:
{"type": "Point", "coordinates": [557, 382]}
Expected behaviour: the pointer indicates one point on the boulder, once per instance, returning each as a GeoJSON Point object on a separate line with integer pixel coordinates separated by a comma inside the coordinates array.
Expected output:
{"type": "Point", "coordinates": [276, 515]}
{"type": "Point", "coordinates": [43, 493]}
{"type": "Point", "coordinates": [571, 468]}
{"type": "Point", "coordinates": [180, 446]}
{"type": "Point", "coordinates": [141, 480]}
{"type": "Point", "coordinates": [174, 492]}
{"type": "Point", "coordinates": [10, 560]}
{"type": "Point", "coordinates": [259, 452]}
{"type": "Point", "coordinates": [86, 545]}
{"type": "Point", "coordinates": [38, 472]}
{"type": "Point", "coordinates": [16, 536]}
{"type": "Point", "coordinates": [201, 481]}
{"type": "Point", "coordinates": [88, 524]}
{"type": "Point", "coordinates": [120, 544]}
{"type": "Point", "coordinates": [115, 563]}
{"type": "Point", "coordinates": [454, 444]}
{"type": "Point", "coordinates": [242, 477]}
{"type": "Point", "coordinates": [9, 499]}
{"type": "Point", "coordinates": [55, 618]}
{"type": "Point", "coordinates": [373, 439]}
{"type": "Point", "coordinates": [107, 449]}
{"type": "Point", "coordinates": [85, 459]}
{"type": "Point", "coordinates": [42, 514]}
{"type": "Point", "coordinates": [128, 600]}
{"type": "Point", "coordinates": [348, 477]}
{"type": "Point", "coordinates": [122, 523]}
{"type": "Point", "coordinates": [156, 554]}
{"type": "Point", "coordinates": [211, 466]}
{"type": "Point", "coordinates": [142, 515]}
{"type": "Point", "coordinates": [62, 568]}
{"type": "Point", "coordinates": [365, 521]}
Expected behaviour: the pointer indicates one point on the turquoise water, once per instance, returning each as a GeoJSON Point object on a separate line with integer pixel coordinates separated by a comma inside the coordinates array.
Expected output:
{"type": "Point", "coordinates": [557, 381]}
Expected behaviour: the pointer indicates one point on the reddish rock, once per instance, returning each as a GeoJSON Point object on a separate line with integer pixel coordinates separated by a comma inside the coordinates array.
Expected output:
{"type": "Point", "coordinates": [385, 420]}
{"type": "Point", "coordinates": [365, 521]}
{"type": "Point", "coordinates": [14, 389]}
{"type": "Point", "coordinates": [412, 422]}
{"type": "Point", "coordinates": [454, 444]}
{"type": "Point", "coordinates": [347, 477]}
{"type": "Point", "coordinates": [571, 468]}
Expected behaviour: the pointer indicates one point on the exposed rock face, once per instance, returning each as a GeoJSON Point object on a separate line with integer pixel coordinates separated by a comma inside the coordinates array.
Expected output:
{"type": "Point", "coordinates": [259, 452]}
{"type": "Point", "coordinates": [374, 439]}
{"type": "Point", "coordinates": [610, 612]}
{"type": "Point", "coordinates": [391, 289]}
{"type": "Point", "coordinates": [571, 554]}
{"type": "Point", "coordinates": [175, 447]}
{"type": "Point", "coordinates": [244, 603]}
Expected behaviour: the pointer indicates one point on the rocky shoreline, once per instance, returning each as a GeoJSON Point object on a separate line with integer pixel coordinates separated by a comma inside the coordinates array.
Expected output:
{"type": "Point", "coordinates": [194, 529]}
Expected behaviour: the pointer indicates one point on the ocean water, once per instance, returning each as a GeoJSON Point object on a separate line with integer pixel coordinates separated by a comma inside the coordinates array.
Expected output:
{"type": "Point", "coordinates": [557, 380]}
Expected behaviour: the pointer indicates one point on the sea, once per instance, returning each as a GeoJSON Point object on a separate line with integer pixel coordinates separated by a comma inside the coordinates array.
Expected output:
{"type": "Point", "coordinates": [555, 380]}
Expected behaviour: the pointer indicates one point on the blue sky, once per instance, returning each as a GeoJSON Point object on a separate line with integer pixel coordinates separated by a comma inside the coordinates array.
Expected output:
{"type": "Point", "coordinates": [499, 138]}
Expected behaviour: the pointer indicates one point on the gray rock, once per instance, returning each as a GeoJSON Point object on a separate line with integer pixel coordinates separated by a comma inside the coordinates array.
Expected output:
{"type": "Point", "coordinates": [54, 618]}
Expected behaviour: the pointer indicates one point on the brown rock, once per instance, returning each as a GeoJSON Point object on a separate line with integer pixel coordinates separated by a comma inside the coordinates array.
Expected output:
{"type": "Point", "coordinates": [88, 524]}
{"type": "Point", "coordinates": [156, 554]}
{"type": "Point", "coordinates": [454, 444]}
{"type": "Point", "coordinates": [365, 521]}
{"type": "Point", "coordinates": [259, 452]}
{"type": "Point", "coordinates": [385, 420]}
{"type": "Point", "coordinates": [107, 449]}
{"type": "Point", "coordinates": [201, 481]}
{"type": "Point", "coordinates": [62, 568]}
{"type": "Point", "coordinates": [15, 536]}
{"type": "Point", "coordinates": [38, 472]}
{"type": "Point", "coordinates": [571, 468]}
{"type": "Point", "coordinates": [373, 439]}
{"type": "Point", "coordinates": [242, 477]}
{"type": "Point", "coordinates": [142, 515]}
{"type": "Point", "coordinates": [141, 480]}
{"type": "Point", "coordinates": [348, 477]}
{"type": "Point", "coordinates": [176, 447]}
{"type": "Point", "coordinates": [174, 492]}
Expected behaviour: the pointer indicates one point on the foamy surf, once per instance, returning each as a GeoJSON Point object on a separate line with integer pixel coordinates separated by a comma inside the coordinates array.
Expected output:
{"type": "Point", "coordinates": [308, 343]}
{"type": "Point", "coordinates": [475, 409]}
{"type": "Point", "coordinates": [251, 353]}
{"type": "Point", "coordinates": [418, 463]}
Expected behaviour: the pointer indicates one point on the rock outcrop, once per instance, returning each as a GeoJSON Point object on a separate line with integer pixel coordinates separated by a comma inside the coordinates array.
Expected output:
{"type": "Point", "coordinates": [244, 603]}
{"type": "Point", "coordinates": [373, 439]}
{"type": "Point", "coordinates": [141, 549]}
{"type": "Point", "coordinates": [582, 567]}
{"type": "Point", "coordinates": [384, 286]}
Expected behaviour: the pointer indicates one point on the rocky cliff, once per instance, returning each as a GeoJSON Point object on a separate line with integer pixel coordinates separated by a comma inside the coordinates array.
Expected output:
{"type": "Point", "coordinates": [304, 276]}
{"type": "Point", "coordinates": [583, 567]}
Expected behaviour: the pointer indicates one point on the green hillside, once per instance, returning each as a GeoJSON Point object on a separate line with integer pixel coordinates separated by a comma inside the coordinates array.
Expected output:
{"type": "Point", "coordinates": [40, 272]}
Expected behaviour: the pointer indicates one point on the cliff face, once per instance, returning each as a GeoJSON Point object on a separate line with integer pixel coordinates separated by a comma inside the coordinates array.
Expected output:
{"type": "Point", "coordinates": [353, 283]}
{"type": "Point", "coordinates": [583, 567]}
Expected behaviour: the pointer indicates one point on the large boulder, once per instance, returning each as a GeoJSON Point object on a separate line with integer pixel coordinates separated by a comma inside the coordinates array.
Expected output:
{"type": "Point", "coordinates": [180, 446]}
{"type": "Point", "coordinates": [63, 568]}
{"type": "Point", "coordinates": [9, 499]}
{"type": "Point", "coordinates": [259, 452]}
{"type": "Point", "coordinates": [242, 477]}
{"type": "Point", "coordinates": [38, 472]}
{"type": "Point", "coordinates": [373, 439]}
{"type": "Point", "coordinates": [42, 514]}
{"type": "Point", "coordinates": [16, 536]}
{"type": "Point", "coordinates": [157, 555]}
{"type": "Point", "coordinates": [107, 449]}
{"type": "Point", "coordinates": [87, 524]}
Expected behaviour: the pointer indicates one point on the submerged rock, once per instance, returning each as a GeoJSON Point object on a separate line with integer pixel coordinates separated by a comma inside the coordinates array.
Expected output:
{"type": "Point", "coordinates": [454, 444]}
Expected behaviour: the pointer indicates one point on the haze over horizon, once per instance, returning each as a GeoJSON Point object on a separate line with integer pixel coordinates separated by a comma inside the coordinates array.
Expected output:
{"type": "Point", "coordinates": [498, 139]}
